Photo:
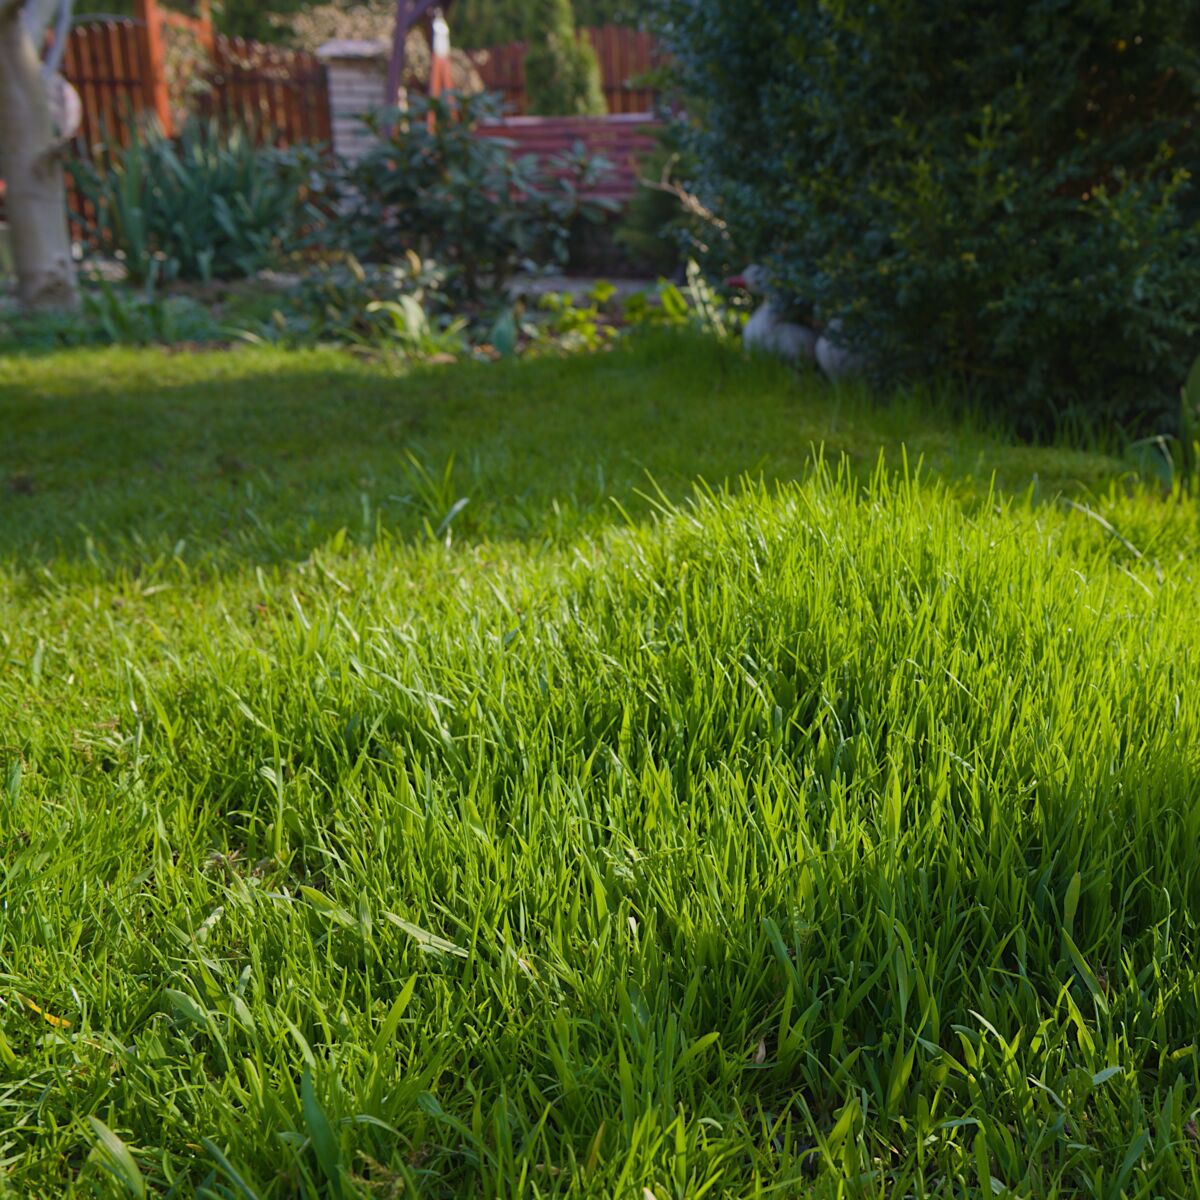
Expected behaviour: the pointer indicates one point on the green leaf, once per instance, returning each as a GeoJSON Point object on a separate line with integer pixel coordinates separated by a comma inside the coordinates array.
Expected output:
{"type": "Point", "coordinates": [429, 942]}
{"type": "Point", "coordinates": [391, 1022]}
{"type": "Point", "coordinates": [696, 1049]}
{"type": "Point", "coordinates": [228, 1169]}
{"type": "Point", "coordinates": [113, 1156]}
{"type": "Point", "coordinates": [325, 1144]}
{"type": "Point", "coordinates": [503, 334]}
{"type": "Point", "coordinates": [326, 907]}
{"type": "Point", "coordinates": [185, 1008]}
{"type": "Point", "coordinates": [1085, 973]}
{"type": "Point", "coordinates": [1071, 903]}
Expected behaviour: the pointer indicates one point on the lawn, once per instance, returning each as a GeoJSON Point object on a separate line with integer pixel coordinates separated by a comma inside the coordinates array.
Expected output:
{"type": "Point", "coordinates": [651, 775]}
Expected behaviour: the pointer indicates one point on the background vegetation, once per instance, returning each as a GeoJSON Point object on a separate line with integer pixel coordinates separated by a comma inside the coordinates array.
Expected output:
{"type": "Point", "coordinates": [1001, 193]}
{"type": "Point", "coordinates": [475, 24]}
{"type": "Point", "coordinates": [483, 23]}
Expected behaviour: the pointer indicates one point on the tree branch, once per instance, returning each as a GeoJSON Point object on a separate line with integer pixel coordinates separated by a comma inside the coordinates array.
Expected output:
{"type": "Point", "coordinates": [62, 30]}
{"type": "Point", "coordinates": [690, 202]}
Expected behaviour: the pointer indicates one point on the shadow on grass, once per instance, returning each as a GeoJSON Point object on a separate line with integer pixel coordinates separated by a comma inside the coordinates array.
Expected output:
{"type": "Point", "coordinates": [115, 459]}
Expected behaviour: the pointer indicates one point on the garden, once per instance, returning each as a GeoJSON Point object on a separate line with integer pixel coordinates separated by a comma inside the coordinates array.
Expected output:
{"type": "Point", "coordinates": [477, 719]}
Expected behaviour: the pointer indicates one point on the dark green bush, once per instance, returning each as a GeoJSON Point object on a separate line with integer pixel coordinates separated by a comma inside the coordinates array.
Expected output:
{"type": "Point", "coordinates": [996, 191]}
{"type": "Point", "coordinates": [207, 205]}
{"type": "Point", "coordinates": [437, 188]}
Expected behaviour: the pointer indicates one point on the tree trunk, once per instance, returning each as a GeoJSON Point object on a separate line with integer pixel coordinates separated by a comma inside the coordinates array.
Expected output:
{"type": "Point", "coordinates": [31, 164]}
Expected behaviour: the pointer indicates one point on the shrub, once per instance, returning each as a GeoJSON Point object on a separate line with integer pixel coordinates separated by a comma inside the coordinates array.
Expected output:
{"type": "Point", "coordinates": [997, 191]}
{"type": "Point", "coordinates": [431, 184]}
{"type": "Point", "coordinates": [208, 205]}
{"type": "Point", "coordinates": [562, 72]}
{"type": "Point", "coordinates": [401, 306]}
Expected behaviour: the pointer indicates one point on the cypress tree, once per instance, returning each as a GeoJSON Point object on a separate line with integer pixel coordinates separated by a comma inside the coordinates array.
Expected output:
{"type": "Point", "coordinates": [562, 72]}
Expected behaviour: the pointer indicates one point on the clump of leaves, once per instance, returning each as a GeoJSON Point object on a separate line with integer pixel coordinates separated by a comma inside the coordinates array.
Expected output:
{"type": "Point", "coordinates": [206, 205]}
{"type": "Point", "coordinates": [562, 322]}
{"type": "Point", "coordinates": [401, 307]}
{"type": "Point", "coordinates": [434, 184]}
{"type": "Point", "coordinates": [571, 327]}
{"type": "Point", "coordinates": [111, 316]}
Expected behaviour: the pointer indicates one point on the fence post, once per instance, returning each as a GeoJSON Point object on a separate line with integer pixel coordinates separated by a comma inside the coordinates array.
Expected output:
{"type": "Point", "coordinates": [154, 82]}
{"type": "Point", "coordinates": [207, 33]}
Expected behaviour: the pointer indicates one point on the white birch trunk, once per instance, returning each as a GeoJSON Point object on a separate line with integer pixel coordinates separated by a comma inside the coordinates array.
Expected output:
{"type": "Point", "coordinates": [32, 168]}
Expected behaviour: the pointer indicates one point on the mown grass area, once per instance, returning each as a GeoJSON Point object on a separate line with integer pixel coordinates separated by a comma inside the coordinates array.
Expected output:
{"type": "Point", "coordinates": [832, 834]}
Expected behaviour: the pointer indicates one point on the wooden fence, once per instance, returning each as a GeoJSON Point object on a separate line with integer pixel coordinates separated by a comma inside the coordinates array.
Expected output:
{"type": "Point", "coordinates": [624, 139]}
{"type": "Point", "coordinates": [162, 63]}
{"type": "Point", "coordinates": [105, 64]}
{"type": "Point", "coordinates": [282, 94]}
{"type": "Point", "coordinates": [626, 56]}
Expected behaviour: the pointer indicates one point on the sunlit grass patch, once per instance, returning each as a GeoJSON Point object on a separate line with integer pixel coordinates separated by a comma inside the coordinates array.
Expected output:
{"type": "Point", "coordinates": [830, 833]}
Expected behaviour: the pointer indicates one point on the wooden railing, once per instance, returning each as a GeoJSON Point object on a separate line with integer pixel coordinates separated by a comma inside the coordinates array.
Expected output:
{"type": "Point", "coordinates": [623, 139]}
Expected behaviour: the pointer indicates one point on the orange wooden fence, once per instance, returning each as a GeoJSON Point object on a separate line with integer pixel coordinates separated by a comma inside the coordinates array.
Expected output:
{"type": "Point", "coordinates": [119, 67]}
{"type": "Point", "coordinates": [281, 94]}
{"type": "Point", "coordinates": [626, 55]}
{"type": "Point", "coordinates": [105, 62]}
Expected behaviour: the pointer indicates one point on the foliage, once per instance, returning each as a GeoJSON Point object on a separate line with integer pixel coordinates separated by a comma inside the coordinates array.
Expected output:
{"type": "Point", "coordinates": [998, 192]}
{"type": "Point", "coordinates": [409, 331]}
{"type": "Point", "coordinates": [208, 205]}
{"type": "Point", "coordinates": [833, 839]}
{"type": "Point", "coordinates": [335, 297]}
{"type": "Point", "coordinates": [479, 24]}
{"type": "Point", "coordinates": [405, 309]}
{"type": "Point", "coordinates": [253, 19]}
{"type": "Point", "coordinates": [564, 325]}
{"type": "Point", "coordinates": [432, 185]}
{"type": "Point", "coordinates": [112, 317]}
{"type": "Point", "coordinates": [238, 18]}
{"type": "Point", "coordinates": [475, 24]}
{"type": "Point", "coordinates": [629, 13]}
{"type": "Point", "coordinates": [562, 72]}
{"type": "Point", "coordinates": [397, 307]}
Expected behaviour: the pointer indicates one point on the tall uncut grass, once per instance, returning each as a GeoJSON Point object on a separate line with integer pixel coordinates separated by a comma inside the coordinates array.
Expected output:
{"type": "Point", "coordinates": [828, 838]}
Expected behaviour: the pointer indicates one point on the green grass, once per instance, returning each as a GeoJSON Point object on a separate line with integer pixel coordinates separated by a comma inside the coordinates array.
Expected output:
{"type": "Point", "coordinates": [833, 833]}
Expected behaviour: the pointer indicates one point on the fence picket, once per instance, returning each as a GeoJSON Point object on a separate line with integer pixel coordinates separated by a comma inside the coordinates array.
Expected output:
{"type": "Point", "coordinates": [282, 95]}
